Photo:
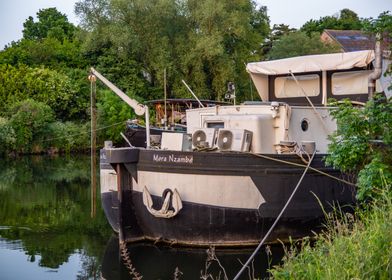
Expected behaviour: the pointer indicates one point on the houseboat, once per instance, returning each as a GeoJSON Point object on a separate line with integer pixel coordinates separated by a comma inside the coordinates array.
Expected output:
{"type": "Point", "coordinates": [225, 180]}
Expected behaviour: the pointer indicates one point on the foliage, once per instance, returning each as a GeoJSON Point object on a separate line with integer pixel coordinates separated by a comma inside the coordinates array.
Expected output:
{"type": "Point", "coordinates": [297, 44]}
{"type": "Point", "coordinates": [277, 31]}
{"type": "Point", "coordinates": [43, 85]}
{"type": "Point", "coordinates": [382, 24]}
{"type": "Point", "coordinates": [51, 23]}
{"type": "Point", "coordinates": [112, 114]}
{"type": "Point", "coordinates": [29, 119]}
{"type": "Point", "coordinates": [68, 136]}
{"type": "Point", "coordinates": [202, 42]}
{"type": "Point", "coordinates": [344, 20]}
{"type": "Point", "coordinates": [362, 143]}
{"type": "Point", "coordinates": [7, 136]}
{"type": "Point", "coordinates": [31, 128]}
{"type": "Point", "coordinates": [349, 249]}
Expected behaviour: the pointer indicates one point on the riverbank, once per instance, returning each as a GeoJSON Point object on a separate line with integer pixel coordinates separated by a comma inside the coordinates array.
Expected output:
{"type": "Point", "coordinates": [353, 247]}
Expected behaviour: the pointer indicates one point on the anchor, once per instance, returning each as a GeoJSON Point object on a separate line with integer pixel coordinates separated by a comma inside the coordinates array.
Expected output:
{"type": "Point", "coordinates": [164, 212]}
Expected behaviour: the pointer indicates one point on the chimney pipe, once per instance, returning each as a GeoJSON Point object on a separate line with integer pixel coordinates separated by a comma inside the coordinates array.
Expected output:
{"type": "Point", "coordinates": [376, 74]}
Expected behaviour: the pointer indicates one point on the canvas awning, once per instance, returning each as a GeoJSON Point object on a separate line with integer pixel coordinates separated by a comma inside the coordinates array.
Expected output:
{"type": "Point", "coordinates": [260, 71]}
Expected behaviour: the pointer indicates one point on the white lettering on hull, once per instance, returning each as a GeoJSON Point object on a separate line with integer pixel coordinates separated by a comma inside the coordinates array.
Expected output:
{"type": "Point", "coordinates": [214, 190]}
{"type": "Point", "coordinates": [173, 158]}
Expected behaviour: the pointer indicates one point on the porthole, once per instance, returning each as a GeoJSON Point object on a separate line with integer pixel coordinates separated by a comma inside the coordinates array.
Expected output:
{"type": "Point", "coordinates": [304, 124]}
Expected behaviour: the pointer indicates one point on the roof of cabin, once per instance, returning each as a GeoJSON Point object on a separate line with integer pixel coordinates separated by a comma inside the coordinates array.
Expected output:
{"type": "Point", "coordinates": [312, 63]}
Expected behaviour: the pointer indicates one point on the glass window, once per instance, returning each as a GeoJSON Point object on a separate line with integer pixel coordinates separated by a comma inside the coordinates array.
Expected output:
{"type": "Point", "coordinates": [286, 87]}
{"type": "Point", "coordinates": [353, 82]}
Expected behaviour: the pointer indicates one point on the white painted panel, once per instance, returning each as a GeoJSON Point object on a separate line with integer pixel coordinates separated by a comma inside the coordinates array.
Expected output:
{"type": "Point", "coordinates": [108, 178]}
{"type": "Point", "coordinates": [223, 191]}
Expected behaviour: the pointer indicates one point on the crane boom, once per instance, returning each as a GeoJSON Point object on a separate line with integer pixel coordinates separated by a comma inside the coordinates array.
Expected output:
{"type": "Point", "coordinates": [140, 109]}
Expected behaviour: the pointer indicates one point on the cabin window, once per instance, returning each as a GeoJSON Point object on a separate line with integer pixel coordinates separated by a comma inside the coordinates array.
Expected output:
{"type": "Point", "coordinates": [215, 124]}
{"type": "Point", "coordinates": [286, 87]}
{"type": "Point", "coordinates": [353, 82]}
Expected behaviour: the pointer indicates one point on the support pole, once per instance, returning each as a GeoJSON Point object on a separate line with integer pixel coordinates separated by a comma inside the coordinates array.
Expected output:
{"type": "Point", "coordinates": [164, 84]}
{"type": "Point", "coordinates": [93, 138]}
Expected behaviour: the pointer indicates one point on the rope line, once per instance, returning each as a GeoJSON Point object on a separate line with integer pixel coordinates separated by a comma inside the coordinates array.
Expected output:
{"type": "Point", "coordinates": [276, 220]}
{"type": "Point", "coordinates": [311, 104]}
{"type": "Point", "coordinates": [76, 134]}
{"type": "Point", "coordinates": [302, 165]}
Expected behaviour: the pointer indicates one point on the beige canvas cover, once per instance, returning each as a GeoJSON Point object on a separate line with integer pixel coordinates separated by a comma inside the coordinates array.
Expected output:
{"type": "Point", "coordinates": [260, 71]}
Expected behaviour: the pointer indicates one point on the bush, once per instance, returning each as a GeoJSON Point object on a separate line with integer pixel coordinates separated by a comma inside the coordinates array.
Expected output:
{"type": "Point", "coordinates": [30, 120]}
{"type": "Point", "coordinates": [113, 114]}
{"type": "Point", "coordinates": [7, 136]}
{"type": "Point", "coordinates": [362, 144]}
{"type": "Point", "coordinates": [64, 95]}
{"type": "Point", "coordinates": [69, 136]}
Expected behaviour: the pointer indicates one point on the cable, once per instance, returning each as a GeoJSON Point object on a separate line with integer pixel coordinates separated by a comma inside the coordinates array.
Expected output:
{"type": "Point", "coordinates": [302, 165]}
{"type": "Point", "coordinates": [276, 220]}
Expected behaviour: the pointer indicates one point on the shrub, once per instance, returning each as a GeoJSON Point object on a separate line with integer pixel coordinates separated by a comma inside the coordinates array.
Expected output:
{"type": "Point", "coordinates": [362, 144]}
{"type": "Point", "coordinates": [30, 120]}
{"type": "Point", "coordinates": [69, 136]}
{"type": "Point", "coordinates": [7, 136]}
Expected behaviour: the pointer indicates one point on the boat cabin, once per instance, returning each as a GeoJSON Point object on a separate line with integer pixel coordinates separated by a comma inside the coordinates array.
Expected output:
{"type": "Point", "coordinates": [320, 77]}
{"type": "Point", "coordinates": [293, 113]}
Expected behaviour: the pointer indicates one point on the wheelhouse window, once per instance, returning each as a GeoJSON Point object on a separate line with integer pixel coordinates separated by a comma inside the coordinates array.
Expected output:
{"type": "Point", "coordinates": [349, 83]}
{"type": "Point", "coordinates": [286, 87]}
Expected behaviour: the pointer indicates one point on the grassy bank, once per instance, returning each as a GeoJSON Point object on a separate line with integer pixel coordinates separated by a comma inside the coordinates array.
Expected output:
{"type": "Point", "coordinates": [357, 247]}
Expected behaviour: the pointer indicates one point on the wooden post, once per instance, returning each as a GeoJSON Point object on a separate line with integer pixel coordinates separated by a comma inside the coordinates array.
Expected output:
{"type": "Point", "coordinates": [93, 109]}
{"type": "Point", "coordinates": [164, 86]}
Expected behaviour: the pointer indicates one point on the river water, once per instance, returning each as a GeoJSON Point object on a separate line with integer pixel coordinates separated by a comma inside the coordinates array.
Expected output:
{"type": "Point", "coordinates": [47, 232]}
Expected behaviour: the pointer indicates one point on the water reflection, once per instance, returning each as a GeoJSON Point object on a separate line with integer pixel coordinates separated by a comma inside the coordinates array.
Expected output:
{"type": "Point", "coordinates": [45, 227]}
{"type": "Point", "coordinates": [46, 232]}
{"type": "Point", "coordinates": [165, 262]}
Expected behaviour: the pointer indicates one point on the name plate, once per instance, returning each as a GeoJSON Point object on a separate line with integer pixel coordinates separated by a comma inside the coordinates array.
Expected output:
{"type": "Point", "coordinates": [186, 159]}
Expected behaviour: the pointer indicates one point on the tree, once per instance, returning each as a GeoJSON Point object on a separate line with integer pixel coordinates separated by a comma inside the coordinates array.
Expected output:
{"type": "Point", "coordinates": [277, 31]}
{"type": "Point", "coordinates": [41, 84]}
{"type": "Point", "coordinates": [51, 23]}
{"type": "Point", "coordinates": [344, 20]}
{"type": "Point", "coordinates": [203, 42]}
{"type": "Point", "coordinates": [297, 44]}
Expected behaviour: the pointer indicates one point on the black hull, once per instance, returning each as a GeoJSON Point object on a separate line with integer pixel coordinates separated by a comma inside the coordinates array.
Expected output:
{"type": "Point", "coordinates": [204, 224]}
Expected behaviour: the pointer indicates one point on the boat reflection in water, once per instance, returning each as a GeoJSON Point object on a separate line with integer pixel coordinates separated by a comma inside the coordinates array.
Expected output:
{"type": "Point", "coordinates": [164, 262]}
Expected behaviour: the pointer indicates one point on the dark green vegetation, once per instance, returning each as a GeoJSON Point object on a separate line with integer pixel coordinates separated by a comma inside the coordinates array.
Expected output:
{"type": "Point", "coordinates": [45, 205]}
{"type": "Point", "coordinates": [362, 145]}
{"type": "Point", "coordinates": [353, 247]}
{"type": "Point", "coordinates": [205, 43]}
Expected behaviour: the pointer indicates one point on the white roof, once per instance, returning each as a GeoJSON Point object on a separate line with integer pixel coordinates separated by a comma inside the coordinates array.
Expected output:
{"type": "Point", "coordinates": [259, 71]}
{"type": "Point", "coordinates": [312, 63]}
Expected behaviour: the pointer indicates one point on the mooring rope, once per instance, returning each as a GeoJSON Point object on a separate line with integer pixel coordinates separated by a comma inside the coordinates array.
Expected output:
{"type": "Point", "coordinates": [302, 165]}
{"type": "Point", "coordinates": [276, 220]}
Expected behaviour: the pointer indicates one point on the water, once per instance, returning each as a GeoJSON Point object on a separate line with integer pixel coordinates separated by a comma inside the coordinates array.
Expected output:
{"type": "Point", "coordinates": [46, 232]}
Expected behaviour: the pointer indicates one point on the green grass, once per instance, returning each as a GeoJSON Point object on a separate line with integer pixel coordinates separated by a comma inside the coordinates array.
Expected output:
{"type": "Point", "coordinates": [357, 247]}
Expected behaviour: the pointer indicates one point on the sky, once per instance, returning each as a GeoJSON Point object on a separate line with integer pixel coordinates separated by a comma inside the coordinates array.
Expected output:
{"type": "Point", "coordinates": [13, 13]}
